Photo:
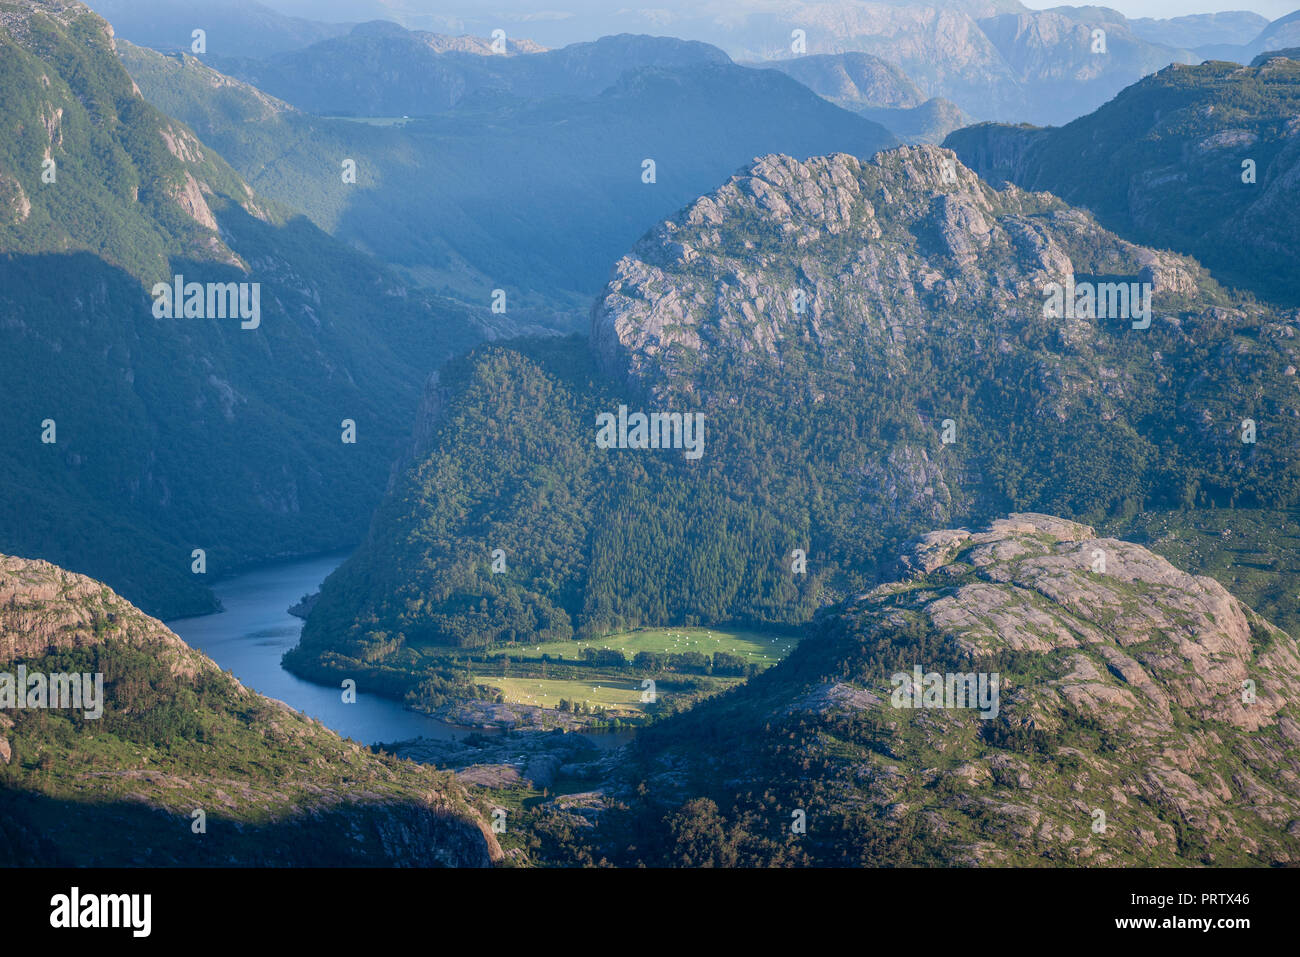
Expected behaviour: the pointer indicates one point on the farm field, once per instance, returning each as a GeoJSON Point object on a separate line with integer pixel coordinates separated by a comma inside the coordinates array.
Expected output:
{"type": "Point", "coordinates": [760, 648]}
{"type": "Point", "coordinates": [373, 120]}
{"type": "Point", "coordinates": [611, 694]}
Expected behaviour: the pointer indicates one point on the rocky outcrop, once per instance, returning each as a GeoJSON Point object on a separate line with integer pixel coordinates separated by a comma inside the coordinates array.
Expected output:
{"type": "Point", "coordinates": [46, 608]}
{"type": "Point", "coordinates": [333, 803]}
{"type": "Point", "coordinates": [1144, 715]}
{"type": "Point", "coordinates": [1044, 584]}
{"type": "Point", "coordinates": [15, 207]}
{"type": "Point", "coordinates": [996, 151]}
{"type": "Point", "coordinates": [836, 253]}
{"type": "Point", "coordinates": [1200, 688]}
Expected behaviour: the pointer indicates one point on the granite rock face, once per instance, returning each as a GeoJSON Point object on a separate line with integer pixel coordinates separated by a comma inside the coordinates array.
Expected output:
{"type": "Point", "coordinates": [1127, 687]}
{"type": "Point", "coordinates": [1201, 688]}
{"type": "Point", "coordinates": [46, 608]}
{"type": "Point", "coordinates": [834, 253]}
{"type": "Point", "coordinates": [1048, 585]}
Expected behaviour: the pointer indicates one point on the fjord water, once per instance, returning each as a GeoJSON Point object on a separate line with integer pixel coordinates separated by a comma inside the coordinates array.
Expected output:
{"type": "Point", "coordinates": [256, 629]}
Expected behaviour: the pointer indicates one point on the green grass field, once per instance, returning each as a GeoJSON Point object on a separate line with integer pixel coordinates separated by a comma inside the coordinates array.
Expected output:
{"type": "Point", "coordinates": [753, 646]}
{"type": "Point", "coordinates": [546, 693]}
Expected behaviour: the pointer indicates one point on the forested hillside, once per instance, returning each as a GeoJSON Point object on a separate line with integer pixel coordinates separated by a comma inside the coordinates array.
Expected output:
{"type": "Point", "coordinates": [182, 765]}
{"type": "Point", "coordinates": [132, 440]}
{"type": "Point", "coordinates": [531, 179]}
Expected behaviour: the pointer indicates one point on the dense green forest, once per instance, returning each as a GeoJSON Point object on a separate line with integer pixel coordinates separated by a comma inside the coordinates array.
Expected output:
{"type": "Point", "coordinates": [586, 533]}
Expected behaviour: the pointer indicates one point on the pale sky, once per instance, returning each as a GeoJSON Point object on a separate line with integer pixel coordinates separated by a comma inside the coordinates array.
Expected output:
{"type": "Point", "coordinates": [1178, 8]}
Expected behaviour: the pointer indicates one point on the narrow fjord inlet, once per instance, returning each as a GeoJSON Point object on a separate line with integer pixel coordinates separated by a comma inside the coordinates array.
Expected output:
{"type": "Point", "coordinates": [254, 630]}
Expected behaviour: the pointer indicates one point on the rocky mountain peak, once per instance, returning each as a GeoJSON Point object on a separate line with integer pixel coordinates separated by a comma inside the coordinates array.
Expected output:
{"type": "Point", "coordinates": [933, 550]}
{"type": "Point", "coordinates": [1036, 583]}
{"type": "Point", "coordinates": [46, 608]}
{"type": "Point", "coordinates": [834, 250]}
{"type": "Point", "coordinates": [1140, 715]}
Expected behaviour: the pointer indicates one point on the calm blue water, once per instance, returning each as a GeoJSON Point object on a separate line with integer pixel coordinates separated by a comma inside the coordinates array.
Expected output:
{"type": "Point", "coordinates": [256, 628]}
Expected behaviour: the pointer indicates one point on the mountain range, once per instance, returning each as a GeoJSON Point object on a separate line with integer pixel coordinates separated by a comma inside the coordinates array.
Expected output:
{"type": "Point", "coordinates": [1235, 27]}
{"type": "Point", "coordinates": [533, 194]}
{"type": "Point", "coordinates": [1201, 159]}
{"type": "Point", "coordinates": [994, 59]}
{"type": "Point", "coordinates": [593, 342]}
{"type": "Point", "coordinates": [1282, 33]}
